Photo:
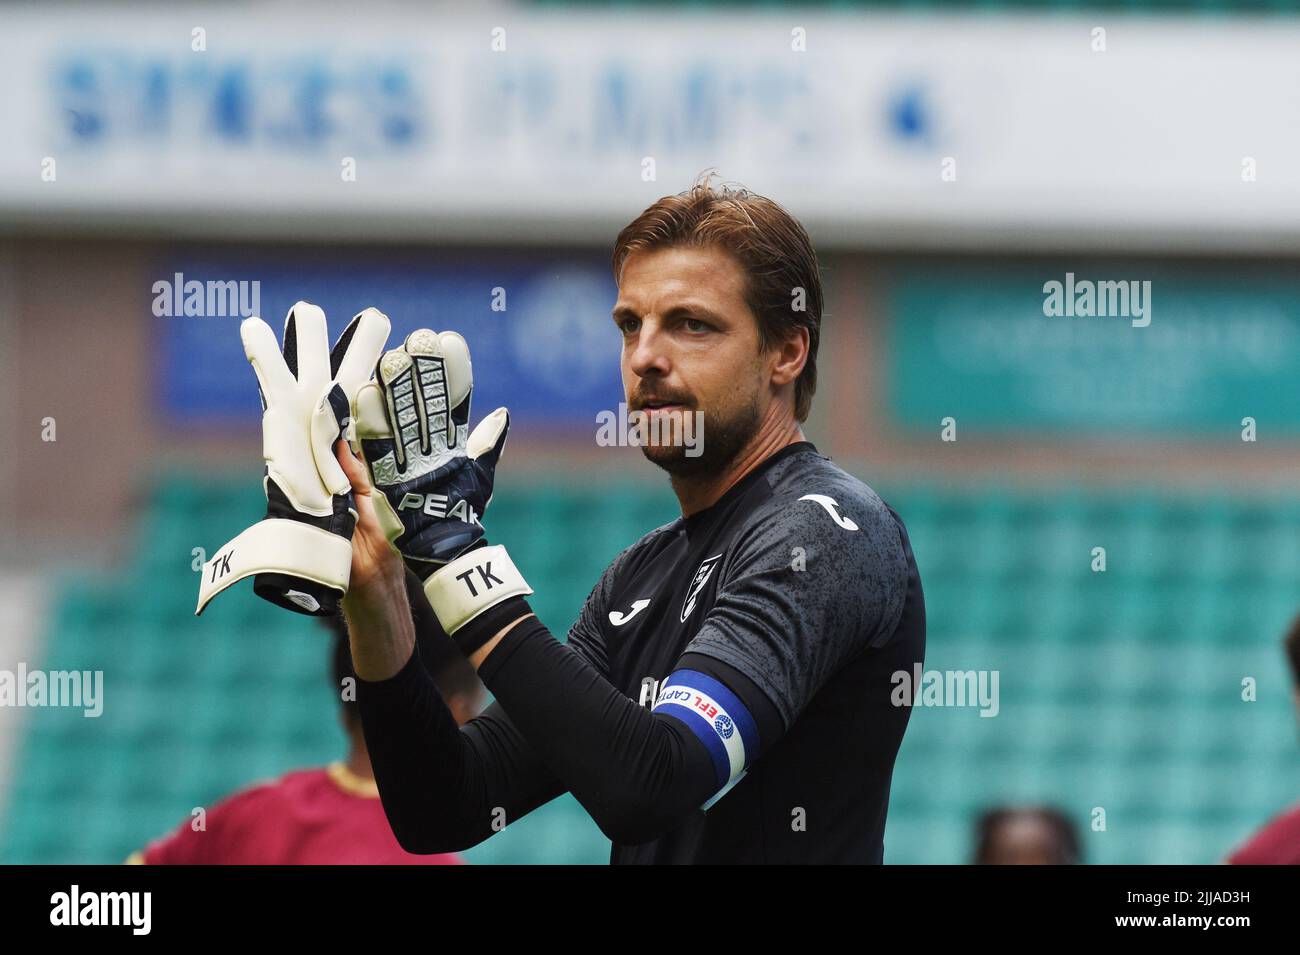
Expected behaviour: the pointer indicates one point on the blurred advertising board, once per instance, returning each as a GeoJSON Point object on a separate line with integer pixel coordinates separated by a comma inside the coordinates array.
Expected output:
{"type": "Point", "coordinates": [1070, 351]}
{"type": "Point", "coordinates": [559, 125]}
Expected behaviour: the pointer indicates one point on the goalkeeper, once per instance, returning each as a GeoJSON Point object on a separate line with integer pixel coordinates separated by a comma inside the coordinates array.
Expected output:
{"type": "Point", "coordinates": [726, 694]}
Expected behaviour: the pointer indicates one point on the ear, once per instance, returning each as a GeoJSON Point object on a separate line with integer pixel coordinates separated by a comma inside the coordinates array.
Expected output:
{"type": "Point", "coordinates": [789, 356]}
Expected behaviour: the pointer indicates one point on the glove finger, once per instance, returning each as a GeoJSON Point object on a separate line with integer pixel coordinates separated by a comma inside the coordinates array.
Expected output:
{"type": "Point", "coordinates": [460, 383]}
{"type": "Point", "coordinates": [425, 349]}
{"type": "Point", "coordinates": [263, 353]}
{"type": "Point", "coordinates": [357, 350]}
{"type": "Point", "coordinates": [446, 382]}
{"type": "Point", "coordinates": [489, 438]}
{"type": "Point", "coordinates": [396, 376]}
{"type": "Point", "coordinates": [306, 346]}
{"type": "Point", "coordinates": [460, 373]}
{"type": "Point", "coordinates": [325, 429]}
{"type": "Point", "coordinates": [370, 413]}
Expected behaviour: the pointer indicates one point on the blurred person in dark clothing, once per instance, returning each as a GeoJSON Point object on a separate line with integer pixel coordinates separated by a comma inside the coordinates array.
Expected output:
{"type": "Point", "coordinates": [1036, 835]}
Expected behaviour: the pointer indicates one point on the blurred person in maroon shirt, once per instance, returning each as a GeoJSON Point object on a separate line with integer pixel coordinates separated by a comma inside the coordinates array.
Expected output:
{"type": "Point", "coordinates": [1278, 843]}
{"type": "Point", "coordinates": [324, 816]}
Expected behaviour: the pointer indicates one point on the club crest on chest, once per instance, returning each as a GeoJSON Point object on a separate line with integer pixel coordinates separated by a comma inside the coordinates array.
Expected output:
{"type": "Point", "coordinates": [697, 584]}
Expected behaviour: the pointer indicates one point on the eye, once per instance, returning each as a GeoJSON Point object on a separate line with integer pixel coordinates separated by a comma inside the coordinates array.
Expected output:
{"type": "Point", "coordinates": [695, 325]}
{"type": "Point", "coordinates": [628, 325]}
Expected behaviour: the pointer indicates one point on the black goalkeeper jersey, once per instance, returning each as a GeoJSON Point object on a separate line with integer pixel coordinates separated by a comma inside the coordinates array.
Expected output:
{"type": "Point", "coordinates": [725, 695]}
{"type": "Point", "coordinates": [801, 579]}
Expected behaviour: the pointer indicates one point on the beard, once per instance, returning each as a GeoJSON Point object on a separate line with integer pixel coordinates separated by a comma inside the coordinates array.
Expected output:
{"type": "Point", "coordinates": [726, 438]}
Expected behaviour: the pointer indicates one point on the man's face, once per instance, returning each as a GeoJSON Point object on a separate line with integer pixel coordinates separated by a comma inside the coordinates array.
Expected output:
{"type": "Point", "coordinates": [691, 343]}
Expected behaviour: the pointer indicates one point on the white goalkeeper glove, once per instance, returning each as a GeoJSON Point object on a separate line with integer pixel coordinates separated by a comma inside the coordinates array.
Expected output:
{"type": "Point", "coordinates": [434, 477]}
{"type": "Point", "coordinates": [300, 555]}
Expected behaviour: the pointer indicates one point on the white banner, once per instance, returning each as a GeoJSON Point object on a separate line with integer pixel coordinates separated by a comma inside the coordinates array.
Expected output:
{"type": "Point", "coordinates": [560, 126]}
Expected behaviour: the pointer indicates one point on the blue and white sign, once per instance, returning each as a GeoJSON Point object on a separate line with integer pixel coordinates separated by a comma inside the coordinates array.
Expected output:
{"type": "Point", "coordinates": [550, 354]}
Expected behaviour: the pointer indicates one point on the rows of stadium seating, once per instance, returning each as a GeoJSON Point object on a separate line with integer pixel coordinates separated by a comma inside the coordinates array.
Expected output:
{"type": "Point", "coordinates": [1118, 689]}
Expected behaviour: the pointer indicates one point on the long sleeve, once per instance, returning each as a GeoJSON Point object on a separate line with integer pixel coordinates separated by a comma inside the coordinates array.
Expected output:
{"type": "Point", "coordinates": [638, 773]}
{"type": "Point", "coordinates": [444, 788]}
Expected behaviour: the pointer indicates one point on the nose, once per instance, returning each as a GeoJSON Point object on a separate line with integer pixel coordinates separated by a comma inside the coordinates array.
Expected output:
{"type": "Point", "coordinates": [649, 355]}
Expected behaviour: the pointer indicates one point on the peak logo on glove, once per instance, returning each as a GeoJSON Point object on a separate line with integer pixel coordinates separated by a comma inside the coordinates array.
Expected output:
{"type": "Point", "coordinates": [434, 476]}
{"type": "Point", "coordinates": [435, 505]}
